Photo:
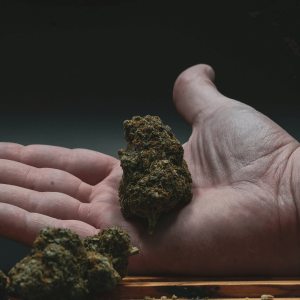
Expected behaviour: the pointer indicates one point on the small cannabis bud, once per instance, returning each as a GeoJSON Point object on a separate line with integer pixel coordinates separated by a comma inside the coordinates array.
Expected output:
{"type": "Point", "coordinates": [155, 175]}
{"type": "Point", "coordinates": [113, 243]}
{"type": "Point", "coordinates": [4, 282]}
{"type": "Point", "coordinates": [267, 297]}
{"type": "Point", "coordinates": [62, 266]}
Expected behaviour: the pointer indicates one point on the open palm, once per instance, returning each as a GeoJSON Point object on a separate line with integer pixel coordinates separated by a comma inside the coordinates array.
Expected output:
{"type": "Point", "coordinates": [243, 218]}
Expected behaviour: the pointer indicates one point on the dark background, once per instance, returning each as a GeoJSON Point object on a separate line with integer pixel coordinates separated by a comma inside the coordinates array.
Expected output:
{"type": "Point", "coordinates": [73, 71]}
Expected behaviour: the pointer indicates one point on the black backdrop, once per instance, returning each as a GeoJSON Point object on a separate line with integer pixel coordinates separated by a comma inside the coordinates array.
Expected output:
{"type": "Point", "coordinates": [73, 71]}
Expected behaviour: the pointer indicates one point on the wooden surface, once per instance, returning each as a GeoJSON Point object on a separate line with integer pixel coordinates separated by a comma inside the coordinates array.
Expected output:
{"type": "Point", "coordinates": [133, 287]}
{"type": "Point", "coordinates": [191, 287]}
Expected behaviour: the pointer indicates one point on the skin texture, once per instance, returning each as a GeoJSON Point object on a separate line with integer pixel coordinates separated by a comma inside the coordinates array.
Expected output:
{"type": "Point", "coordinates": [242, 221]}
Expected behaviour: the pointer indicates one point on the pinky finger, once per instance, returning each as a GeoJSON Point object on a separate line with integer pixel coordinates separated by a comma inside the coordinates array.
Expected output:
{"type": "Point", "coordinates": [22, 226]}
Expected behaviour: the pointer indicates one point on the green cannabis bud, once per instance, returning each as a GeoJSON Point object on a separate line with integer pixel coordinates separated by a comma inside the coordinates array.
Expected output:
{"type": "Point", "coordinates": [113, 243]}
{"type": "Point", "coordinates": [155, 175]}
{"type": "Point", "coordinates": [64, 267]}
{"type": "Point", "coordinates": [53, 268]}
{"type": "Point", "coordinates": [4, 282]}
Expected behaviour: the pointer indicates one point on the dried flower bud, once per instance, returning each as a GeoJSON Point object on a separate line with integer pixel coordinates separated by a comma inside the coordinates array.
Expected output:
{"type": "Point", "coordinates": [62, 266]}
{"type": "Point", "coordinates": [52, 269]}
{"type": "Point", "coordinates": [267, 297]}
{"type": "Point", "coordinates": [114, 243]}
{"type": "Point", "coordinates": [4, 282]}
{"type": "Point", "coordinates": [155, 175]}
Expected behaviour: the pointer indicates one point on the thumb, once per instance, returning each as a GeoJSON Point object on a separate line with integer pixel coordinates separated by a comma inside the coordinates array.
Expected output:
{"type": "Point", "coordinates": [195, 96]}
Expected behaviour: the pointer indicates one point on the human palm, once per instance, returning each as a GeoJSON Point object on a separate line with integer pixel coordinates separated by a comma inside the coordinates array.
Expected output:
{"type": "Point", "coordinates": [243, 217]}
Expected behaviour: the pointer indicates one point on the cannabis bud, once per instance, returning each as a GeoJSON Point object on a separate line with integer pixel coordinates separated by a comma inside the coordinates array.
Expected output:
{"type": "Point", "coordinates": [4, 282]}
{"type": "Point", "coordinates": [113, 243]}
{"type": "Point", "coordinates": [155, 175]}
{"type": "Point", "coordinates": [62, 266]}
{"type": "Point", "coordinates": [53, 269]}
{"type": "Point", "coordinates": [267, 297]}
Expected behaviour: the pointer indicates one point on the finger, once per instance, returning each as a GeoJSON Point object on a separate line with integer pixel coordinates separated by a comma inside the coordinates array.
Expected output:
{"type": "Point", "coordinates": [22, 226]}
{"type": "Point", "coordinates": [43, 180]}
{"type": "Point", "coordinates": [89, 166]}
{"type": "Point", "coordinates": [60, 206]}
{"type": "Point", "coordinates": [195, 95]}
{"type": "Point", "coordinates": [52, 204]}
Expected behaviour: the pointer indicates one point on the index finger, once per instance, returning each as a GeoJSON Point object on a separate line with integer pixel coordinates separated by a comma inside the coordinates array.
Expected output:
{"type": "Point", "coordinates": [88, 165]}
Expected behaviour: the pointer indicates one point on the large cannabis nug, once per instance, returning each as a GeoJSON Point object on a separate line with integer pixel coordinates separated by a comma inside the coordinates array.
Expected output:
{"type": "Point", "coordinates": [61, 266]}
{"type": "Point", "coordinates": [155, 175]}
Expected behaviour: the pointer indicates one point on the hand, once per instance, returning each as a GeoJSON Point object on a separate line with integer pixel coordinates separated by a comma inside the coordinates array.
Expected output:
{"type": "Point", "coordinates": [242, 221]}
